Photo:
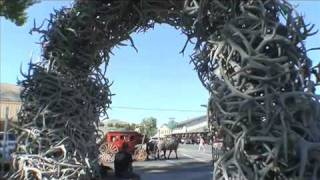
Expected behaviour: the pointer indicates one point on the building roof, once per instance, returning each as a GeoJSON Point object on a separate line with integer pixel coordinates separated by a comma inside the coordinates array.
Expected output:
{"type": "Point", "coordinates": [165, 125]}
{"type": "Point", "coordinates": [193, 121]}
{"type": "Point", "coordinates": [200, 129]}
{"type": "Point", "coordinates": [9, 92]}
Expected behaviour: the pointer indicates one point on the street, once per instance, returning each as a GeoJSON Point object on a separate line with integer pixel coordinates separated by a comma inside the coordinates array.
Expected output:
{"type": "Point", "coordinates": [191, 165]}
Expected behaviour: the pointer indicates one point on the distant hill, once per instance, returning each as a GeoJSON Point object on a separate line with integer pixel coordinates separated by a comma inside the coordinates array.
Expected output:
{"type": "Point", "coordinates": [9, 92]}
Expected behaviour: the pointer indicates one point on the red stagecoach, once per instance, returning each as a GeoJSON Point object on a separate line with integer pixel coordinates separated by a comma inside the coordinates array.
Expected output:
{"type": "Point", "coordinates": [113, 142]}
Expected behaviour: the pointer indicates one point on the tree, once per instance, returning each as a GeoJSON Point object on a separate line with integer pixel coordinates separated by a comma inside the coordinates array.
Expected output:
{"type": "Point", "coordinates": [15, 10]}
{"type": "Point", "coordinates": [132, 127]}
{"type": "Point", "coordinates": [148, 126]}
{"type": "Point", "coordinates": [129, 127]}
{"type": "Point", "coordinates": [125, 126]}
{"type": "Point", "coordinates": [117, 125]}
{"type": "Point", "coordinates": [172, 124]}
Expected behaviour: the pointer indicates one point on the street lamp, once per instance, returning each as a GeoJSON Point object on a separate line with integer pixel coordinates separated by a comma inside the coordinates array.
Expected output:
{"type": "Point", "coordinates": [204, 105]}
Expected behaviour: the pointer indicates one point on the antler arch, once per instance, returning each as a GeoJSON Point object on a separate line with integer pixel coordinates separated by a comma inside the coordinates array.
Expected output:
{"type": "Point", "coordinates": [254, 67]}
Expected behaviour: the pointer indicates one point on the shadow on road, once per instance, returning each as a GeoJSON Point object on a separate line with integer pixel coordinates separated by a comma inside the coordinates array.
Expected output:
{"type": "Point", "coordinates": [185, 171]}
{"type": "Point", "coordinates": [185, 165]}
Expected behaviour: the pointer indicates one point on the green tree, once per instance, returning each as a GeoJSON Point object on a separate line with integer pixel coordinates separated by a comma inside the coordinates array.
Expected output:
{"type": "Point", "coordinates": [172, 124]}
{"type": "Point", "coordinates": [132, 127]}
{"type": "Point", "coordinates": [117, 125]}
{"type": "Point", "coordinates": [125, 126]}
{"type": "Point", "coordinates": [148, 126]}
{"type": "Point", "coordinates": [129, 127]}
{"type": "Point", "coordinates": [14, 10]}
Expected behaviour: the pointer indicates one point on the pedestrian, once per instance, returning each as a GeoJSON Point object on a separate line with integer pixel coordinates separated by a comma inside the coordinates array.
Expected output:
{"type": "Point", "coordinates": [123, 163]}
{"type": "Point", "coordinates": [201, 144]}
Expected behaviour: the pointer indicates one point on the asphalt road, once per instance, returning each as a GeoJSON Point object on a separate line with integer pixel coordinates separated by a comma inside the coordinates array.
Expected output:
{"type": "Point", "coordinates": [191, 165]}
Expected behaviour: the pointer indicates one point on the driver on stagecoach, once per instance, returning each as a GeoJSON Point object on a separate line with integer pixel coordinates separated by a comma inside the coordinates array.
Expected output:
{"type": "Point", "coordinates": [114, 139]}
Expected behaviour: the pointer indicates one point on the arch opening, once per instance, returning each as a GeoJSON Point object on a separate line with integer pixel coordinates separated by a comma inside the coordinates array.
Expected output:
{"type": "Point", "coordinates": [151, 72]}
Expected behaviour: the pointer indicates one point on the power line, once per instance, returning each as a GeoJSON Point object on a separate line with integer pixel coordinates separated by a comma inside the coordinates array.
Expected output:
{"type": "Point", "coordinates": [155, 109]}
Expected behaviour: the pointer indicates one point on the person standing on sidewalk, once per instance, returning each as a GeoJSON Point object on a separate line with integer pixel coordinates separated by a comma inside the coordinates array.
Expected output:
{"type": "Point", "coordinates": [201, 144]}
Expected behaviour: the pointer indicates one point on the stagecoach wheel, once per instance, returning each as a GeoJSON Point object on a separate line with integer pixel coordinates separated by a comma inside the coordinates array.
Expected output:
{"type": "Point", "coordinates": [103, 148]}
{"type": "Point", "coordinates": [107, 153]}
{"type": "Point", "coordinates": [105, 158]}
{"type": "Point", "coordinates": [140, 155]}
{"type": "Point", "coordinates": [113, 149]}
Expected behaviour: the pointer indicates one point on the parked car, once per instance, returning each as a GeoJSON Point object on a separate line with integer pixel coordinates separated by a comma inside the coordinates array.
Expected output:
{"type": "Point", "coordinates": [154, 139]}
{"type": "Point", "coordinates": [198, 140]}
{"type": "Point", "coordinates": [10, 145]}
{"type": "Point", "coordinates": [195, 140]}
{"type": "Point", "coordinates": [10, 140]}
{"type": "Point", "coordinates": [188, 141]}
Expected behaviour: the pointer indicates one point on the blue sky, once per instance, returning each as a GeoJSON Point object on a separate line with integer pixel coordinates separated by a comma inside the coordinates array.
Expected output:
{"type": "Point", "coordinates": [157, 77]}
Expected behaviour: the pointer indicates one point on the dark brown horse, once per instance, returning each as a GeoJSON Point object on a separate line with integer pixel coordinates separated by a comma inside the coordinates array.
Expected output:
{"type": "Point", "coordinates": [170, 144]}
{"type": "Point", "coordinates": [152, 149]}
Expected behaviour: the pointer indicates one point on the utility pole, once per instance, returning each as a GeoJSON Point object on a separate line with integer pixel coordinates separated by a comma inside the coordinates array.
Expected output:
{"type": "Point", "coordinates": [173, 120]}
{"type": "Point", "coordinates": [5, 134]}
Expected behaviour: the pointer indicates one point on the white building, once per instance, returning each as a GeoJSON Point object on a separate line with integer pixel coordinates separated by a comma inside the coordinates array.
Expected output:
{"type": "Point", "coordinates": [192, 126]}
{"type": "Point", "coordinates": [10, 103]}
{"type": "Point", "coordinates": [189, 127]}
{"type": "Point", "coordinates": [163, 131]}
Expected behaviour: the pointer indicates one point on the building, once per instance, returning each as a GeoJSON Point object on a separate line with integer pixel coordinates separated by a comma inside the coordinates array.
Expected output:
{"type": "Point", "coordinates": [9, 101]}
{"type": "Point", "coordinates": [192, 127]}
{"type": "Point", "coordinates": [163, 131]}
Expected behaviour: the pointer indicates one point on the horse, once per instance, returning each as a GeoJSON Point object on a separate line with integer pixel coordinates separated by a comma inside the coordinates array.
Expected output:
{"type": "Point", "coordinates": [151, 148]}
{"type": "Point", "coordinates": [171, 145]}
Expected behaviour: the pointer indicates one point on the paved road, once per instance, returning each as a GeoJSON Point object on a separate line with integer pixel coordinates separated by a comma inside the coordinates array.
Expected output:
{"type": "Point", "coordinates": [191, 165]}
